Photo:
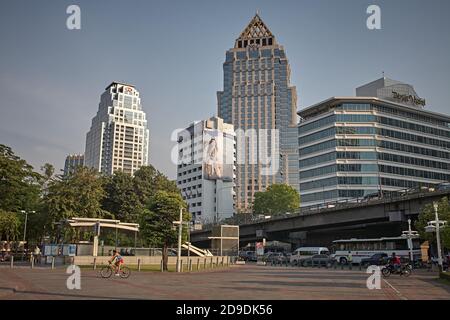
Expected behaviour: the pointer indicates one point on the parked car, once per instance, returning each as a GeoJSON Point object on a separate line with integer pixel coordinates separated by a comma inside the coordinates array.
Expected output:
{"type": "Point", "coordinates": [305, 253]}
{"type": "Point", "coordinates": [318, 259]}
{"type": "Point", "coordinates": [276, 258]}
{"type": "Point", "coordinates": [377, 259]}
{"type": "Point", "coordinates": [248, 255]}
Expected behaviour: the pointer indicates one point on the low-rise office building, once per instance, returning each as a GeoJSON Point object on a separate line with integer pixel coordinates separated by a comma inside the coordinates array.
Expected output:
{"type": "Point", "coordinates": [353, 147]}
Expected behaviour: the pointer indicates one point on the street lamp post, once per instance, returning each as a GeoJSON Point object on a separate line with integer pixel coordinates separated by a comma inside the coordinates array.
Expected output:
{"type": "Point", "coordinates": [410, 235]}
{"type": "Point", "coordinates": [410, 241]}
{"type": "Point", "coordinates": [180, 234]}
{"type": "Point", "coordinates": [25, 228]}
{"type": "Point", "coordinates": [438, 236]}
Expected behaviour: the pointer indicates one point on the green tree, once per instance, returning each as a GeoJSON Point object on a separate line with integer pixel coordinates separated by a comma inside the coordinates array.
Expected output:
{"type": "Point", "coordinates": [144, 183]}
{"type": "Point", "coordinates": [47, 175]}
{"type": "Point", "coordinates": [48, 171]}
{"type": "Point", "coordinates": [157, 221]}
{"type": "Point", "coordinates": [78, 195]}
{"type": "Point", "coordinates": [19, 184]}
{"type": "Point", "coordinates": [148, 181]}
{"type": "Point", "coordinates": [121, 199]}
{"type": "Point", "coordinates": [9, 225]}
{"type": "Point", "coordinates": [277, 199]}
{"type": "Point", "coordinates": [428, 214]}
{"type": "Point", "coordinates": [446, 236]}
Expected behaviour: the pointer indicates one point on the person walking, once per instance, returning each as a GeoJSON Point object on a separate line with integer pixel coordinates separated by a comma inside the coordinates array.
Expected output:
{"type": "Point", "coordinates": [37, 254]}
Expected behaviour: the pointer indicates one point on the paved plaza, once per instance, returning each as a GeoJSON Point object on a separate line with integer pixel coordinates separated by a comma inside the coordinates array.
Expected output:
{"type": "Point", "coordinates": [236, 282]}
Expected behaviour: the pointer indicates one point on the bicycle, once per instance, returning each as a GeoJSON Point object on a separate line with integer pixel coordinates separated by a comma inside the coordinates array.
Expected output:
{"type": "Point", "coordinates": [108, 270]}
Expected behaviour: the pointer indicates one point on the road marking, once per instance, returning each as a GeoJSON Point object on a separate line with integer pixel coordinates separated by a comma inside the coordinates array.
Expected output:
{"type": "Point", "coordinates": [396, 291]}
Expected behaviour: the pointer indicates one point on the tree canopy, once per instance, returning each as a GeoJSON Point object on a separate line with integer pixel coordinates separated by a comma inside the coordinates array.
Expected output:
{"type": "Point", "coordinates": [428, 214]}
{"type": "Point", "coordinates": [83, 193]}
{"type": "Point", "coordinates": [121, 199]}
{"type": "Point", "coordinates": [277, 199]}
{"type": "Point", "coordinates": [157, 227]}
{"type": "Point", "coordinates": [79, 195]}
{"type": "Point", "coordinates": [19, 184]}
{"type": "Point", "coordinates": [9, 225]}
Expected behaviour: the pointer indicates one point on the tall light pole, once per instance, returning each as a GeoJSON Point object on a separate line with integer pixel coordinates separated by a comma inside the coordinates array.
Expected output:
{"type": "Point", "coordinates": [25, 229]}
{"type": "Point", "coordinates": [180, 234]}
{"type": "Point", "coordinates": [409, 236]}
{"type": "Point", "coordinates": [438, 236]}
{"type": "Point", "coordinates": [26, 220]}
{"type": "Point", "coordinates": [411, 256]}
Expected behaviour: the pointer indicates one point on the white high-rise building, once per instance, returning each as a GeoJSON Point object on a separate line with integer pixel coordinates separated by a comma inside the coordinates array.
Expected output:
{"type": "Point", "coordinates": [118, 139]}
{"type": "Point", "coordinates": [206, 169]}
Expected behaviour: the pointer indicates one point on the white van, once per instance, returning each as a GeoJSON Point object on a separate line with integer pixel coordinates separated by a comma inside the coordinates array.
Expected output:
{"type": "Point", "coordinates": [304, 253]}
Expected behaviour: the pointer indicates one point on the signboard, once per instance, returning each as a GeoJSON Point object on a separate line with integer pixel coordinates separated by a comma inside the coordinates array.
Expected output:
{"type": "Point", "coordinates": [259, 249]}
{"type": "Point", "coordinates": [57, 250]}
{"type": "Point", "coordinates": [128, 90]}
{"type": "Point", "coordinates": [408, 99]}
{"type": "Point", "coordinates": [71, 250]}
{"type": "Point", "coordinates": [51, 250]}
{"type": "Point", "coordinates": [214, 167]}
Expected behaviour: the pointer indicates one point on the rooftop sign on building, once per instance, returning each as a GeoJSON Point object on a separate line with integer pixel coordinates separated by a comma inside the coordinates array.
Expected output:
{"type": "Point", "coordinates": [392, 90]}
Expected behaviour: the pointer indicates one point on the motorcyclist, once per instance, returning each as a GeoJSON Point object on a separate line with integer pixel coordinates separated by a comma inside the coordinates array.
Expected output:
{"type": "Point", "coordinates": [395, 262]}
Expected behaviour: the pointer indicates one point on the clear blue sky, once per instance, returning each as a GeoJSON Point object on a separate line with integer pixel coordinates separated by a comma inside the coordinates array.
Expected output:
{"type": "Point", "coordinates": [51, 78]}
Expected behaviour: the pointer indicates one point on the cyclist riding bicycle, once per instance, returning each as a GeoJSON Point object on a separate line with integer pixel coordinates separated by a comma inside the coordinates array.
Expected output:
{"type": "Point", "coordinates": [118, 261]}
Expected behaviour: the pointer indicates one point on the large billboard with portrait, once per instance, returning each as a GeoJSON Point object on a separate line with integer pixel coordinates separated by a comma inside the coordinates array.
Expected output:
{"type": "Point", "coordinates": [216, 166]}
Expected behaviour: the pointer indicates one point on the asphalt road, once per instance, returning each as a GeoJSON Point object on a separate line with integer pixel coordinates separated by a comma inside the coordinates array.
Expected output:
{"type": "Point", "coordinates": [237, 282]}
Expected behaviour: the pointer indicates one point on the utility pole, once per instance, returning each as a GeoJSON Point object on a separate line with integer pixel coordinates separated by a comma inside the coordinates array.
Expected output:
{"type": "Point", "coordinates": [180, 234]}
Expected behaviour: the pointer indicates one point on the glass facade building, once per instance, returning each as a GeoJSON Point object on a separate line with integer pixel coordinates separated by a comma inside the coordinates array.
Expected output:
{"type": "Point", "coordinates": [258, 100]}
{"type": "Point", "coordinates": [118, 138]}
{"type": "Point", "coordinates": [354, 147]}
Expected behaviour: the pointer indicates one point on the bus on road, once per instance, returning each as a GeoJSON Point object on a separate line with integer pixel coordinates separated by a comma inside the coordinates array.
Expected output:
{"type": "Point", "coordinates": [365, 248]}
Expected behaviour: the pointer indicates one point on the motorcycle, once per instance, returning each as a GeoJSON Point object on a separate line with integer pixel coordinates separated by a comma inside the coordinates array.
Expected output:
{"type": "Point", "coordinates": [402, 270]}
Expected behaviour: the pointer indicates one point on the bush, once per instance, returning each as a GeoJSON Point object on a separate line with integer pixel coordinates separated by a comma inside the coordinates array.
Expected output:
{"type": "Point", "coordinates": [445, 276]}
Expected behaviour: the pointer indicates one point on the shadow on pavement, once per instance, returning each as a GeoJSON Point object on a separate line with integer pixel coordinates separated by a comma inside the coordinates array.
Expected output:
{"type": "Point", "coordinates": [66, 295]}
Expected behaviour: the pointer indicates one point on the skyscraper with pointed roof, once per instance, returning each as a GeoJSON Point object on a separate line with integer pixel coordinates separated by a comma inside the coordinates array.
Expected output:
{"type": "Point", "coordinates": [257, 97]}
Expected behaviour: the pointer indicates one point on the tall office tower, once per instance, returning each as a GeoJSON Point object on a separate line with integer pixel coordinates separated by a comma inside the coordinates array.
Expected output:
{"type": "Point", "coordinates": [376, 144]}
{"type": "Point", "coordinates": [205, 172]}
{"type": "Point", "coordinates": [118, 138]}
{"type": "Point", "coordinates": [258, 100]}
{"type": "Point", "coordinates": [72, 162]}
